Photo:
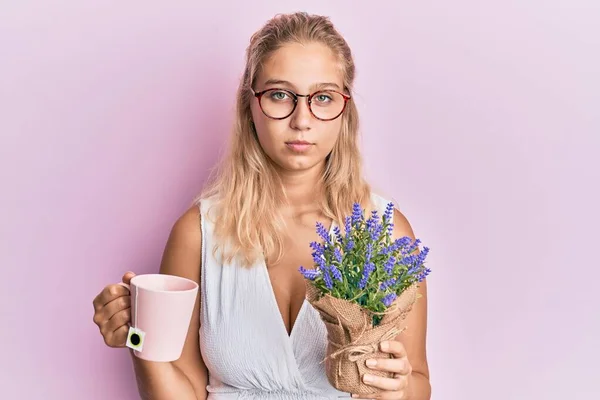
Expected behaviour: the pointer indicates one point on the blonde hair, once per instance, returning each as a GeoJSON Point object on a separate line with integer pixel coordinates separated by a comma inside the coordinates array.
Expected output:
{"type": "Point", "coordinates": [246, 188]}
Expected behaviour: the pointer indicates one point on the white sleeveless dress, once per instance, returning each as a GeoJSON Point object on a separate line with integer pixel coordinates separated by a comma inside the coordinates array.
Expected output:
{"type": "Point", "coordinates": [244, 342]}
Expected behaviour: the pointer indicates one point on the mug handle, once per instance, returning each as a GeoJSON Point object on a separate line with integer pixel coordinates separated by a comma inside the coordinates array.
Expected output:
{"type": "Point", "coordinates": [135, 336]}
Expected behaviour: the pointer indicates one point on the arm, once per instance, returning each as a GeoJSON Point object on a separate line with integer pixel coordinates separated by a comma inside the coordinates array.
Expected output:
{"type": "Point", "coordinates": [414, 340]}
{"type": "Point", "coordinates": [185, 378]}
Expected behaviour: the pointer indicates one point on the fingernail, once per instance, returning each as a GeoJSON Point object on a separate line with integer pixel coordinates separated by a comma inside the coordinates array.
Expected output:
{"type": "Point", "coordinates": [385, 346]}
{"type": "Point", "coordinates": [368, 378]}
{"type": "Point", "coordinates": [403, 363]}
{"type": "Point", "coordinates": [371, 363]}
{"type": "Point", "coordinates": [355, 395]}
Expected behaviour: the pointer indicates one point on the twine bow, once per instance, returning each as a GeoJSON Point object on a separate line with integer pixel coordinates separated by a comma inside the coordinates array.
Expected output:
{"type": "Point", "coordinates": [354, 351]}
{"type": "Point", "coordinates": [350, 341]}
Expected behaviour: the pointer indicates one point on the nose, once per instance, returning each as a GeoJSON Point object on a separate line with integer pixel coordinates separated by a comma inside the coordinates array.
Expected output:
{"type": "Point", "coordinates": [301, 117]}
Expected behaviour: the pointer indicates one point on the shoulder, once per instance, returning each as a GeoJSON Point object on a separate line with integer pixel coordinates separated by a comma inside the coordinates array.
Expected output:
{"type": "Point", "coordinates": [186, 228]}
{"type": "Point", "coordinates": [182, 254]}
{"type": "Point", "coordinates": [402, 226]}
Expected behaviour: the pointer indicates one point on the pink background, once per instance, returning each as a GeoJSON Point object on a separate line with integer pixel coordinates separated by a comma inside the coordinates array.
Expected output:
{"type": "Point", "coordinates": [481, 118]}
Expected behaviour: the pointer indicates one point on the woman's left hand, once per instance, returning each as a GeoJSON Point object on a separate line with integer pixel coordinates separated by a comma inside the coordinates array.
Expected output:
{"type": "Point", "coordinates": [391, 388]}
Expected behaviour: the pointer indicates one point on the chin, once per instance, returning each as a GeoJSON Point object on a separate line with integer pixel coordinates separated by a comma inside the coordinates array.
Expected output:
{"type": "Point", "coordinates": [300, 164]}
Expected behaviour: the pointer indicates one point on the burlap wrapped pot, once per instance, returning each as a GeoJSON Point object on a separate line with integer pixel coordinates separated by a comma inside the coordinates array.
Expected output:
{"type": "Point", "coordinates": [352, 339]}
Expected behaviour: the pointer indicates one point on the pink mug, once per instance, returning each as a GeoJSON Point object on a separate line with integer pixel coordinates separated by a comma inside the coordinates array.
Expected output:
{"type": "Point", "coordinates": [161, 312]}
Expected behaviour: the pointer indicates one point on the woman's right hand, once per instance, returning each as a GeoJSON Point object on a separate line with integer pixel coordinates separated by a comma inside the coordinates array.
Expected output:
{"type": "Point", "coordinates": [112, 312]}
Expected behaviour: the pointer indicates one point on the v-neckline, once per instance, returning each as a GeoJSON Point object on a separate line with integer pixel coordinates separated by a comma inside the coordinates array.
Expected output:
{"type": "Point", "coordinates": [274, 303]}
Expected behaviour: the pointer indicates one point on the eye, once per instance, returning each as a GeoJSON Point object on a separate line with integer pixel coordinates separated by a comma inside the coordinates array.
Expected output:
{"type": "Point", "coordinates": [278, 95]}
{"type": "Point", "coordinates": [323, 97]}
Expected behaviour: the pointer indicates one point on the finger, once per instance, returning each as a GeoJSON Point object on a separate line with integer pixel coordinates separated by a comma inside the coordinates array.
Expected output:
{"type": "Point", "coordinates": [117, 338]}
{"type": "Point", "coordinates": [127, 277]}
{"type": "Point", "coordinates": [389, 384]}
{"type": "Point", "coordinates": [397, 365]}
{"type": "Point", "coordinates": [103, 316]}
{"type": "Point", "coordinates": [118, 320]}
{"type": "Point", "coordinates": [118, 304]}
{"type": "Point", "coordinates": [394, 347]}
{"type": "Point", "coordinates": [108, 294]}
{"type": "Point", "coordinates": [381, 395]}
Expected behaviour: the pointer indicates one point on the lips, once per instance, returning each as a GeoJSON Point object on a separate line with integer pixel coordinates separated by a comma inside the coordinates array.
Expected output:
{"type": "Point", "coordinates": [299, 146]}
{"type": "Point", "coordinates": [298, 142]}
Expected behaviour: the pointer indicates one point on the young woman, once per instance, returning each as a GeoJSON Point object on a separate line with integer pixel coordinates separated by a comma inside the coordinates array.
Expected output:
{"type": "Point", "coordinates": [293, 160]}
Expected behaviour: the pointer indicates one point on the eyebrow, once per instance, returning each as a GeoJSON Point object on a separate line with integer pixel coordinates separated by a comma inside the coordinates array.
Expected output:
{"type": "Point", "coordinates": [320, 85]}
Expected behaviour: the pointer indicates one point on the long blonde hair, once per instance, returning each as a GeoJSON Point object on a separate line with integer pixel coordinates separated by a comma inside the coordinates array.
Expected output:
{"type": "Point", "coordinates": [246, 188]}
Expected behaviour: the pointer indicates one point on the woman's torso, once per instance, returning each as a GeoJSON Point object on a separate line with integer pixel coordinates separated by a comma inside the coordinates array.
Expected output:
{"type": "Point", "coordinates": [244, 335]}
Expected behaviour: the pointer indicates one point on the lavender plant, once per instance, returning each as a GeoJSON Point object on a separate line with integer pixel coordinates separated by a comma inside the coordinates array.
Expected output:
{"type": "Point", "coordinates": [365, 265]}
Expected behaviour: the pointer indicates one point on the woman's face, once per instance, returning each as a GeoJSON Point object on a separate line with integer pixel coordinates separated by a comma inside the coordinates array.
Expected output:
{"type": "Point", "coordinates": [300, 141]}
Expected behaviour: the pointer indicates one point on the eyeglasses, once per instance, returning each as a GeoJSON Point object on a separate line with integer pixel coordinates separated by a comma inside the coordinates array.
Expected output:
{"type": "Point", "coordinates": [324, 105]}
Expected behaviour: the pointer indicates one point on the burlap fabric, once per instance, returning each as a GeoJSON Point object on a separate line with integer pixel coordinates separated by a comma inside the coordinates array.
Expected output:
{"type": "Point", "coordinates": [352, 339]}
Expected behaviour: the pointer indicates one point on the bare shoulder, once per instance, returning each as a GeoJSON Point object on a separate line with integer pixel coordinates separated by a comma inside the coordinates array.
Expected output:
{"type": "Point", "coordinates": [182, 254]}
{"type": "Point", "coordinates": [187, 227]}
{"type": "Point", "coordinates": [402, 226]}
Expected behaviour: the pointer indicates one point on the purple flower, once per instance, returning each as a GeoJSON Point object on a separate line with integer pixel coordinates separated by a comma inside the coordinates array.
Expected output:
{"type": "Point", "coordinates": [336, 273]}
{"type": "Point", "coordinates": [310, 274]}
{"type": "Point", "coordinates": [348, 226]}
{"type": "Point", "coordinates": [322, 231]}
{"type": "Point", "coordinates": [398, 244]}
{"type": "Point", "coordinates": [317, 247]}
{"type": "Point", "coordinates": [369, 268]}
{"type": "Point", "coordinates": [389, 265]}
{"type": "Point", "coordinates": [409, 260]}
{"type": "Point", "coordinates": [389, 299]}
{"type": "Point", "coordinates": [422, 255]}
{"type": "Point", "coordinates": [386, 284]}
{"type": "Point", "coordinates": [372, 222]}
{"type": "Point", "coordinates": [350, 245]}
{"type": "Point", "coordinates": [416, 264]}
{"type": "Point", "coordinates": [412, 247]}
{"type": "Point", "coordinates": [369, 252]}
{"type": "Point", "coordinates": [388, 217]}
{"type": "Point", "coordinates": [376, 232]}
{"type": "Point", "coordinates": [423, 274]}
{"type": "Point", "coordinates": [361, 240]}
{"type": "Point", "coordinates": [373, 227]}
{"type": "Point", "coordinates": [327, 279]}
{"type": "Point", "coordinates": [337, 254]}
{"type": "Point", "coordinates": [357, 214]}
{"type": "Point", "coordinates": [317, 254]}
{"type": "Point", "coordinates": [338, 234]}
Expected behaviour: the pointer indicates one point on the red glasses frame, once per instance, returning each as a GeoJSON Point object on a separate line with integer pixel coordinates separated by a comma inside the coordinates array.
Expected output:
{"type": "Point", "coordinates": [295, 96]}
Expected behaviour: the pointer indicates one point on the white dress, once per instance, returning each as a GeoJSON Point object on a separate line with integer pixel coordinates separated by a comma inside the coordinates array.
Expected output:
{"type": "Point", "coordinates": [243, 339]}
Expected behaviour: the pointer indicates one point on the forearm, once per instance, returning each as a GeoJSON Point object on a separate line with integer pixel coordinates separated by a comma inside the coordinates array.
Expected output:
{"type": "Point", "coordinates": [419, 387]}
{"type": "Point", "coordinates": [162, 381]}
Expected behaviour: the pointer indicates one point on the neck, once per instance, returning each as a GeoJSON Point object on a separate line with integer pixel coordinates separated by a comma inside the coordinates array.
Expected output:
{"type": "Point", "coordinates": [301, 187]}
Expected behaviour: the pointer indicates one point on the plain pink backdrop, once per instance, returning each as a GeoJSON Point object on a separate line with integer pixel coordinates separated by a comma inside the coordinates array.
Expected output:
{"type": "Point", "coordinates": [481, 118]}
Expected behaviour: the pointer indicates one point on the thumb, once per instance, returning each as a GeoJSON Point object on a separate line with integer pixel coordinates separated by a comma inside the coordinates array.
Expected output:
{"type": "Point", "coordinates": [127, 277]}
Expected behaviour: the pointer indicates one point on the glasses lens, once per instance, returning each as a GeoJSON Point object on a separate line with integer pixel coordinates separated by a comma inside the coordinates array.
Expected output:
{"type": "Point", "coordinates": [327, 104]}
{"type": "Point", "coordinates": [277, 103]}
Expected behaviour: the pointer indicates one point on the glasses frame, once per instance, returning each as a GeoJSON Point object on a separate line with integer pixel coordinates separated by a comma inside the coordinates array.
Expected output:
{"type": "Point", "coordinates": [295, 96]}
